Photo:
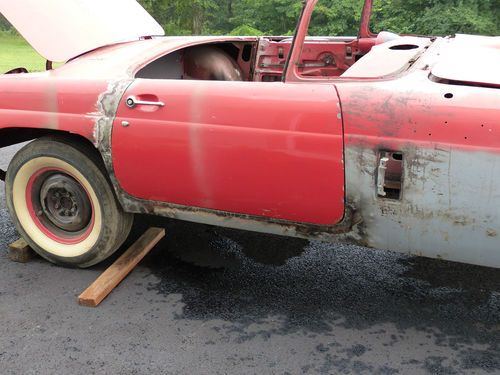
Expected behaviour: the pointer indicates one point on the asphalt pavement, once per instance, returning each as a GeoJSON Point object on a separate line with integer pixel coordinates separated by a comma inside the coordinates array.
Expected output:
{"type": "Point", "coordinates": [328, 309]}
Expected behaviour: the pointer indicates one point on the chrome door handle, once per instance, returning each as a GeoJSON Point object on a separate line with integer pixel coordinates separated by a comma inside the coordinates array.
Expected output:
{"type": "Point", "coordinates": [132, 102]}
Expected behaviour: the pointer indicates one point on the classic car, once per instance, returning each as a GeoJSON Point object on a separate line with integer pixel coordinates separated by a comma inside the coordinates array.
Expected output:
{"type": "Point", "coordinates": [383, 140]}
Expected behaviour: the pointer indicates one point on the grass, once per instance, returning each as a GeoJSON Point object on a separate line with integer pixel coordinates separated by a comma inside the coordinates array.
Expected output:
{"type": "Point", "coordinates": [15, 52]}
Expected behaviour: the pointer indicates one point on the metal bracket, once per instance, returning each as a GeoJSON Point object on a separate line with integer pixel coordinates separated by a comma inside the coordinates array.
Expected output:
{"type": "Point", "coordinates": [382, 168]}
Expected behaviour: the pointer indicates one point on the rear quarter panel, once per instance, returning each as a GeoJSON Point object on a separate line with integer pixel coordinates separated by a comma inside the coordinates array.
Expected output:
{"type": "Point", "coordinates": [450, 139]}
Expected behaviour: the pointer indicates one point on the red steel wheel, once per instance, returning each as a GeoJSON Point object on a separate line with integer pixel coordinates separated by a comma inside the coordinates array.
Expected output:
{"type": "Point", "coordinates": [63, 205]}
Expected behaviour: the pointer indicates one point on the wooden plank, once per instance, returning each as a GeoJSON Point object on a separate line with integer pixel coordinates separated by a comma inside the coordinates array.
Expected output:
{"type": "Point", "coordinates": [20, 251]}
{"type": "Point", "coordinates": [110, 278]}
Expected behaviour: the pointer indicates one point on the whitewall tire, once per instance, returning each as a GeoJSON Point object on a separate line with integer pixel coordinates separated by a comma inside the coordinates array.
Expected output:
{"type": "Point", "coordinates": [62, 203]}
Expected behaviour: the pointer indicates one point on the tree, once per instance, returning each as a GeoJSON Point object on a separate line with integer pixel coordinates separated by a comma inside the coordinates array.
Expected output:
{"type": "Point", "coordinates": [184, 17]}
{"type": "Point", "coordinates": [331, 17]}
{"type": "Point", "coordinates": [272, 17]}
{"type": "Point", "coordinates": [4, 24]}
{"type": "Point", "coordinates": [438, 17]}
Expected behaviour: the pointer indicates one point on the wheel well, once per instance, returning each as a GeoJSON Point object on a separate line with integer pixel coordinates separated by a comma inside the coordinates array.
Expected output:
{"type": "Point", "coordinates": [12, 136]}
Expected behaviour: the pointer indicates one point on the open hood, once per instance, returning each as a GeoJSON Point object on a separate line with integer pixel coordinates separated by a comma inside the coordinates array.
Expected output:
{"type": "Point", "coordinates": [62, 29]}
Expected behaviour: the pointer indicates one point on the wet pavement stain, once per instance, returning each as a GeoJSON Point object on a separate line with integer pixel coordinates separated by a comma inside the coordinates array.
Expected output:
{"type": "Point", "coordinates": [330, 288]}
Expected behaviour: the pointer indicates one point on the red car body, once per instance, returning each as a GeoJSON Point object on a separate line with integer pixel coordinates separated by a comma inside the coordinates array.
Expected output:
{"type": "Point", "coordinates": [391, 144]}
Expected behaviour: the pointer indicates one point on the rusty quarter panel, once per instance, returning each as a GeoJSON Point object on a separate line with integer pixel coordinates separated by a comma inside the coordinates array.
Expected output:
{"type": "Point", "coordinates": [449, 136]}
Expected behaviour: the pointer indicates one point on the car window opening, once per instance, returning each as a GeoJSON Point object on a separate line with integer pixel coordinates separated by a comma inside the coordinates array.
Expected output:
{"type": "Point", "coordinates": [212, 62]}
{"type": "Point", "coordinates": [260, 60]}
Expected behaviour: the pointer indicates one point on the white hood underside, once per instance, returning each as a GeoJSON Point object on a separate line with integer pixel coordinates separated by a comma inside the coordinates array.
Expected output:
{"type": "Point", "coordinates": [62, 29]}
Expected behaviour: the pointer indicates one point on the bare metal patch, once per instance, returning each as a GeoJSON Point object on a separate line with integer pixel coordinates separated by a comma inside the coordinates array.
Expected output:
{"type": "Point", "coordinates": [107, 106]}
{"type": "Point", "coordinates": [449, 207]}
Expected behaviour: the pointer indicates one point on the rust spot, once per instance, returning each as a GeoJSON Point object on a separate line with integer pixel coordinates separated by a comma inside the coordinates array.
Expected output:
{"type": "Point", "coordinates": [241, 221]}
{"type": "Point", "coordinates": [491, 233]}
{"type": "Point", "coordinates": [107, 106]}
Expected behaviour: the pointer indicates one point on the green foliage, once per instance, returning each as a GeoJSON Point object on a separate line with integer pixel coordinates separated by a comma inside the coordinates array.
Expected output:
{"type": "Point", "coordinates": [273, 17]}
{"type": "Point", "coordinates": [438, 17]}
{"type": "Point", "coordinates": [245, 30]}
{"type": "Point", "coordinates": [183, 17]}
{"type": "Point", "coordinates": [331, 17]}
{"type": "Point", "coordinates": [4, 24]}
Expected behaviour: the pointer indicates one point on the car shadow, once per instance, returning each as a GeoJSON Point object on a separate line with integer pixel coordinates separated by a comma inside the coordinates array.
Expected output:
{"type": "Point", "coordinates": [329, 286]}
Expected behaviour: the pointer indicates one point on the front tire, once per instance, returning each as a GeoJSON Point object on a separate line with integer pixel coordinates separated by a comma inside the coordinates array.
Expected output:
{"type": "Point", "coordinates": [63, 205]}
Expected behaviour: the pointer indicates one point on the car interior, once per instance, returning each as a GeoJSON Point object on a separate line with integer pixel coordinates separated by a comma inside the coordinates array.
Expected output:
{"type": "Point", "coordinates": [261, 60]}
{"type": "Point", "coordinates": [264, 59]}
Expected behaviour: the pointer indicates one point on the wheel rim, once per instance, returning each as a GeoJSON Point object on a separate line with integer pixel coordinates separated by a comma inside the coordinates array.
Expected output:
{"type": "Point", "coordinates": [64, 203]}
{"type": "Point", "coordinates": [60, 206]}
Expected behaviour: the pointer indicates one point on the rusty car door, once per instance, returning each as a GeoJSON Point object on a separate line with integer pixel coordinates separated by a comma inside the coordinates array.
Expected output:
{"type": "Point", "coordinates": [270, 150]}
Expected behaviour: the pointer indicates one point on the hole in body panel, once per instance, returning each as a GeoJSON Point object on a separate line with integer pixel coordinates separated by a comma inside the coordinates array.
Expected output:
{"type": "Point", "coordinates": [390, 175]}
{"type": "Point", "coordinates": [404, 47]}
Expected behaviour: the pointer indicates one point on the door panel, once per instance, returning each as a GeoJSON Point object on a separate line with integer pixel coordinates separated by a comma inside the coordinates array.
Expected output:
{"type": "Point", "coordinates": [265, 149]}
